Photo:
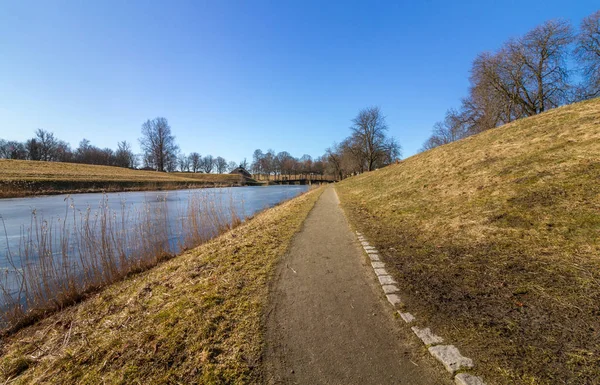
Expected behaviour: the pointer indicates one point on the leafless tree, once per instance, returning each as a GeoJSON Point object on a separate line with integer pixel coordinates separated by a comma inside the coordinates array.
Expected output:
{"type": "Point", "coordinates": [220, 164]}
{"type": "Point", "coordinates": [44, 146]}
{"type": "Point", "coordinates": [530, 73]}
{"type": "Point", "coordinates": [12, 150]}
{"type": "Point", "coordinates": [124, 156]}
{"type": "Point", "coordinates": [207, 164]}
{"type": "Point", "coordinates": [183, 161]}
{"type": "Point", "coordinates": [231, 166]}
{"type": "Point", "coordinates": [334, 157]}
{"type": "Point", "coordinates": [588, 55]}
{"type": "Point", "coordinates": [158, 144]}
{"type": "Point", "coordinates": [195, 161]}
{"type": "Point", "coordinates": [369, 137]}
{"type": "Point", "coordinates": [256, 166]}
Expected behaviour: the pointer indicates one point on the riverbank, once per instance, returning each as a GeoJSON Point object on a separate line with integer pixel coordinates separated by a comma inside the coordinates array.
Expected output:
{"type": "Point", "coordinates": [196, 318]}
{"type": "Point", "coordinates": [21, 178]}
{"type": "Point", "coordinates": [494, 239]}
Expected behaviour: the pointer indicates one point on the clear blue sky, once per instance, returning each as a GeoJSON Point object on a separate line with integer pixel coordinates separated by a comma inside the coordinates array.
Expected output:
{"type": "Point", "coordinates": [235, 76]}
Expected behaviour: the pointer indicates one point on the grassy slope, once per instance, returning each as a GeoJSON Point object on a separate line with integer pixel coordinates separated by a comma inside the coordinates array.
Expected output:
{"type": "Point", "coordinates": [496, 241]}
{"type": "Point", "coordinates": [23, 177]}
{"type": "Point", "coordinates": [194, 319]}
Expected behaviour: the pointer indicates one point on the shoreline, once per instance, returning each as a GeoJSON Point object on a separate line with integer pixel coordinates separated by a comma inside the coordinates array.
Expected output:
{"type": "Point", "coordinates": [37, 188]}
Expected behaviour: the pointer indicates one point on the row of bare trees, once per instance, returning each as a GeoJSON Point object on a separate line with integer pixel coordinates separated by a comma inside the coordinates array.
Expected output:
{"type": "Point", "coordinates": [194, 162]}
{"type": "Point", "coordinates": [282, 165]}
{"type": "Point", "coordinates": [45, 146]}
{"type": "Point", "coordinates": [526, 76]}
{"type": "Point", "coordinates": [367, 148]}
{"type": "Point", "coordinates": [159, 151]}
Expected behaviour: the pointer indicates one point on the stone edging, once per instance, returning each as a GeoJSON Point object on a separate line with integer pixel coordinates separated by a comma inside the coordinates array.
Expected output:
{"type": "Point", "coordinates": [448, 355]}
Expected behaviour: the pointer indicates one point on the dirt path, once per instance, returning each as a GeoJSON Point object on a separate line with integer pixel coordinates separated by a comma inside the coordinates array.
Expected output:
{"type": "Point", "coordinates": [328, 321]}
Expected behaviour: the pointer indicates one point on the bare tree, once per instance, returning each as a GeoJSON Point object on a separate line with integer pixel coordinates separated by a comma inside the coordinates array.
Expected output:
{"type": "Point", "coordinates": [368, 139]}
{"type": "Point", "coordinates": [183, 161]}
{"type": "Point", "coordinates": [46, 145]}
{"type": "Point", "coordinates": [588, 55]}
{"type": "Point", "coordinates": [124, 156]}
{"type": "Point", "coordinates": [334, 157]}
{"type": "Point", "coordinates": [256, 166]}
{"type": "Point", "coordinates": [12, 150]}
{"type": "Point", "coordinates": [158, 144]}
{"type": "Point", "coordinates": [195, 161]}
{"type": "Point", "coordinates": [207, 164]}
{"type": "Point", "coordinates": [531, 72]}
{"type": "Point", "coordinates": [231, 166]}
{"type": "Point", "coordinates": [221, 164]}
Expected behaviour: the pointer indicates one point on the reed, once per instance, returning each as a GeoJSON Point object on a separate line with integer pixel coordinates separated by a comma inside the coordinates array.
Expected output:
{"type": "Point", "coordinates": [61, 260]}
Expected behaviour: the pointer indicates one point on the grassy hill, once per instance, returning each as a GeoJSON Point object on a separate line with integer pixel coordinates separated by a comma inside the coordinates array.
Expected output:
{"type": "Point", "coordinates": [495, 240]}
{"type": "Point", "coordinates": [23, 177]}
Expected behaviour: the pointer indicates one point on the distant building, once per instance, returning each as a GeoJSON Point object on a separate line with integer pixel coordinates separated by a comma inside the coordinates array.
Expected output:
{"type": "Point", "coordinates": [241, 171]}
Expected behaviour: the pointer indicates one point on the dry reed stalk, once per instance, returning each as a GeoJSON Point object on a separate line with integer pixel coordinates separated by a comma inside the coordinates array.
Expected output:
{"type": "Point", "coordinates": [59, 262]}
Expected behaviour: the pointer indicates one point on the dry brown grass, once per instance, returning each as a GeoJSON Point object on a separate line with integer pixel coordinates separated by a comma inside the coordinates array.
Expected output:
{"type": "Point", "coordinates": [59, 262]}
{"type": "Point", "coordinates": [496, 240]}
{"type": "Point", "coordinates": [23, 177]}
{"type": "Point", "coordinates": [194, 319]}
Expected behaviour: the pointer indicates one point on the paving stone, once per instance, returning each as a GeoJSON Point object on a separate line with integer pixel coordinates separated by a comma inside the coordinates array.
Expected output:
{"type": "Point", "coordinates": [390, 289]}
{"type": "Point", "coordinates": [378, 265]}
{"type": "Point", "coordinates": [394, 299]}
{"type": "Point", "coordinates": [386, 280]}
{"type": "Point", "coordinates": [407, 317]}
{"type": "Point", "coordinates": [359, 234]}
{"type": "Point", "coordinates": [365, 243]}
{"type": "Point", "coordinates": [427, 336]}
{"type": "Point", "coordinates": [450, 357]}
{"type": "Point", "coordinates": [374, 257]}
{"type": "Point", "coordinates": [467, 379]}
{"type": "Point", "coordinates": [369, 248]}
{"type": "Point", "coordinates": [381, 272]}
{"type": "Point", "coordinates": [372, 251]}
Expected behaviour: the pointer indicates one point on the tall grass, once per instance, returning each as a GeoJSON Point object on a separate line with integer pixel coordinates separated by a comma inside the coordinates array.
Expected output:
{"type": "Point", "coordinates": [61, 260]}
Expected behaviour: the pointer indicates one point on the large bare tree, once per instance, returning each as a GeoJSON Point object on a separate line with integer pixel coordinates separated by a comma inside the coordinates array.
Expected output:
{"type": "Point", "coordinates": [368, 139]}
{"type": "Point", "coordinates": [220, 164]}
{"type": "Point", "coordinates": [183, 161]}
{"type": "Point", "coordinates": [207, 164]}
{"type": "Point", "coordinates": [158, 144]}
{"type": "Point", "coordinates": [195, 161]}
{"type": "Point", "coordinates": [588, 55]}
{"type": "Point", "coordinates": [530, 73]}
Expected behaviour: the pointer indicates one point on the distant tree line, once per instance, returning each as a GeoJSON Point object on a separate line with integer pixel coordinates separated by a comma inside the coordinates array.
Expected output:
{"type": "Point", "coordinates": [45, 146]}
{"type": "Point", "coordinates": [282, 165]}
{"type": "Point", "coordinates": [159, 152]}
{"type": "Point", "coordinates": [368, 147]}
{"type": "Point", "coordinates": [526, 76]}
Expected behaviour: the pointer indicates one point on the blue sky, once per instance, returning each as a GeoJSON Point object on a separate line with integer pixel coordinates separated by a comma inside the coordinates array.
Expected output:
{"type": "Point", "coordinates": [235, 76]}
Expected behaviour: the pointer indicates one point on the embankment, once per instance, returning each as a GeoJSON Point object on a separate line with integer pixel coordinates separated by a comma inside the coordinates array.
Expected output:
{"type": "Point", "coordinates": [496, 241]}
{"type": "Point", "coordinates": [19, 178]}
{"type": "Point", "coordinates": [197, 318]}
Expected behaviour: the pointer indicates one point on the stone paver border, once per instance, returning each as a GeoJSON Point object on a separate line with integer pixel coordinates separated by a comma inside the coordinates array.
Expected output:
{"type": "Point", "coordinates": [448, 355]}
